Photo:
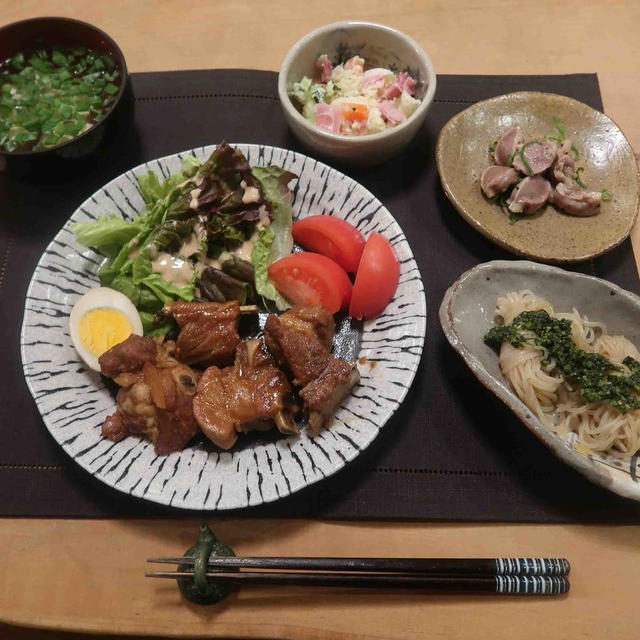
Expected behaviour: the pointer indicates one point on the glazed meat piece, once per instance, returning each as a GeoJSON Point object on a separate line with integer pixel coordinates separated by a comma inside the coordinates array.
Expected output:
{"type": "Point", "coordinates": [208, 331]}
{"type": "Point", "coordinates": [323, 395]}
{"type": "Point", "coordinates": [155, 398]}
{"type": "Point", "coordinates": [507, 145]}
{"type": "Point", "coordinates": [530, 195]}
{"type": "Point", "coordinates": [127, 356]}
{"type": "Point", "coordinates": [248, 396]}
{"type": "Point", "coordinates": [538, 156]}
{"type": "Point", "coordinates": [576, 201]}
{"type": "Point", "coordinates": [114, 427]}
{"type": "Point", "coordinates": [300, 341]}
{"type": "Point", "coordinates": [497, 179]}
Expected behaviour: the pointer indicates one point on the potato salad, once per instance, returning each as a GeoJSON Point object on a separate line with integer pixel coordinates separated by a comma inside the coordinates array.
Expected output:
{"type": "Point", "coordinates": [345, 99]}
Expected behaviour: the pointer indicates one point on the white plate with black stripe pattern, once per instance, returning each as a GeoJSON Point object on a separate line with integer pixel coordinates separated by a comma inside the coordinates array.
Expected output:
{"type": "Point", "coordinates": [74, 401]}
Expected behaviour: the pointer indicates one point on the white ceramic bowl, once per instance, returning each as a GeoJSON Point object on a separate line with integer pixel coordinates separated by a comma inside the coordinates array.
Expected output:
{"type": "Point", "coordinates": [380, 46]}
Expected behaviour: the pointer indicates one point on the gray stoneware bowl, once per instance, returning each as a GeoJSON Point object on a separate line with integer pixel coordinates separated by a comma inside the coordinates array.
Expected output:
{"type": "Point", "coordinates": [467, 313]}
{"type": "Point", "coordinates": [380, 46]}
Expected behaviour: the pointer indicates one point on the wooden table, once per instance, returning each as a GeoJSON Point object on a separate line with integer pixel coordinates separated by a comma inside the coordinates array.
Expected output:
{"type": "Point", "coordinates": [86, 575]}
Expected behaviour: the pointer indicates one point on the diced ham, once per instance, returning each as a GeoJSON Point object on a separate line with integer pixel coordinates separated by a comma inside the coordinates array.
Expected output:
{"type": "Point", "coordinates": [539, 157]}
{"type": "Point", "coordinates": [404, 82]}
{"type": "Point", "coordinates": [325, 67]}
{"type": "Point", "coordinates": [530, 195]}
{"type": "Point", "coordinates": [407, 83]}
{"type": "Point", "coordinates": [576, 201]}
{"type": "Point", "coordinates": [507, 145]}
{"type": "Point", "coordinates": [324, 117]}
{"type": "Point", "coordinates": [329, 117]}
{"type": "Point", "coordinates": [376, 78]}
{"type": "Point", "coordinates": [392, 92]}
{"type": "Point", "coordinates": [391, 113]}
{"type": "Point", "coordinates": [496, 179]}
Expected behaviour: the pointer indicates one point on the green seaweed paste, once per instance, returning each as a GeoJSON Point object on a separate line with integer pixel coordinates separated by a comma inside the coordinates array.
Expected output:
{"type": "Point", "coordinates": [598, 377]}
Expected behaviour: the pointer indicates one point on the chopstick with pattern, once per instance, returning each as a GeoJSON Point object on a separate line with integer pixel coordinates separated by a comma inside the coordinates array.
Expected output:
{"type": "Point", "coordinates": [548, 567]}
{"type": "Point", "coordinates": [435, 584]}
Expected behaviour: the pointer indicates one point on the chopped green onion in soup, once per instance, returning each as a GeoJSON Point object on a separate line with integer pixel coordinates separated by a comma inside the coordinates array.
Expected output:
{"type": "Point", "coordinates": [49, 96]}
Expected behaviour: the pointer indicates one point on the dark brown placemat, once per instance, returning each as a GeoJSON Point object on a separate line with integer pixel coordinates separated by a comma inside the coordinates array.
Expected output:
{"type": "Point", "coordinates": [440, 457]}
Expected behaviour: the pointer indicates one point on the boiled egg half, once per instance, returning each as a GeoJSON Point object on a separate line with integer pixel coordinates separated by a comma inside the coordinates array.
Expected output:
{"type": "Point", "coordinates": [100, 319]}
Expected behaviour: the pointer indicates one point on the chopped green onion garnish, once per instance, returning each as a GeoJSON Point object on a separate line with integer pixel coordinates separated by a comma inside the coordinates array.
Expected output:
{"type": "Point", "coordinates": [579, 182]}
{"type": "Point", "coordinates": [561, 134]}
{"type": "Point", "coordinates": [39, 64]}
{"type": "Point", "coordinates": [520, 153]}
{"type": "Point", "coordinates": [66, 110]}
{"type": "Point", "coordinates": [49, 96]}
{"type": "Point", "coordinates": [57, 57]}
{"type": "Point", "coordinates": [606, 194]}
{"type": "Point", "coordinates": [18, 61]}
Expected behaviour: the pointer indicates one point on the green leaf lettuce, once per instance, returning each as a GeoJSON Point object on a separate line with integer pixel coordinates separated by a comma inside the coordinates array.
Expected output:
{"type": "Point", "coordinates": [274, 241]}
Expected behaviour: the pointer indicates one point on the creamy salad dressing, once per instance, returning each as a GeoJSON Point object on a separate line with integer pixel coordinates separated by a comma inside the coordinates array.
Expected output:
{"type": "Point", "coordinates": [194, 242]}
{"type": "Point", "coordinates": [179, 270]}
{"type": "Point", "coordinates": [190, 246]}
{"type": "Point", "coordinates": [243, 252]}
{"type": "Point", "coordinates": [250, 195]}
{"type": "Point", "coordinates": [197, 180]}
{"type": "Point", "coordinates": [173, 268]}
{"type": "Point", "coordinates": [194, 194]}
{"type": "Point", "coordinates": [263, 214]}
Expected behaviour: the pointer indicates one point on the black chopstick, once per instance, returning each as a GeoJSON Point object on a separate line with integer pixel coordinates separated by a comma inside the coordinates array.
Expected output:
{"type": "Point", "coordinates": [497, 585]}
{"type": "Point", "coordinates": [424, 566]}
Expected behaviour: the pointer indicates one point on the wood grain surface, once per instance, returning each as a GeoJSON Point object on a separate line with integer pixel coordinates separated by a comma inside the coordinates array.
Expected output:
{"type": "Point", "coordinates": [87, 575]}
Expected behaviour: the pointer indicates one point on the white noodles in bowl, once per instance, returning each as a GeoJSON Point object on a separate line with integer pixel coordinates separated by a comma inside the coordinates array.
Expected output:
{"type": "Point", "coordinates": [598, 426]}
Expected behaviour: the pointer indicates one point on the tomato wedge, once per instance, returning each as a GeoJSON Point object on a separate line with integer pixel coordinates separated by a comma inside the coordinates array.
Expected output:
{"type": "Point", "coordinates": [376, 280]}
{"type": "Point", "coordinates": [310, 278]}
{"type": "Point", "coordinates": [332, 237]}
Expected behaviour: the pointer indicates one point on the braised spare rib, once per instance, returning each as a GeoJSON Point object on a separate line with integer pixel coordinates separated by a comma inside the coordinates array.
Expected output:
{"type": "Point", "coordinates": [155, 396]}
{"type": "Point", "coordinates": [300, 341]}
{"type": "Point", "coordinates": [323, 395]}
{"type": "Point", "coordinates": [248, 396]}
{"type": "Point", "coordinates": [208, 331]}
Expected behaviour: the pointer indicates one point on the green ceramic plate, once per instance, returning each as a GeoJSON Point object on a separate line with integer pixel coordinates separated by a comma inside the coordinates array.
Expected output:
{"type": "Point", "coordinates": [548, 235]}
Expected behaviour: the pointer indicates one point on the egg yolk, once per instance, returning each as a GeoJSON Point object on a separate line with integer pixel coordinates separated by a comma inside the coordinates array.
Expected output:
{"type": "Point", "coordinates": [100, 329]}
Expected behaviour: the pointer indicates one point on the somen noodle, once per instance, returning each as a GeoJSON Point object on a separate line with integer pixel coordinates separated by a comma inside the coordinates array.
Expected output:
{"type": "Point", "coordinates": [534, 376]}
